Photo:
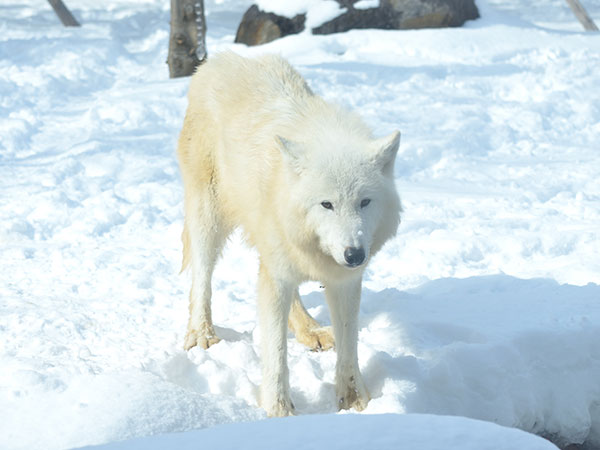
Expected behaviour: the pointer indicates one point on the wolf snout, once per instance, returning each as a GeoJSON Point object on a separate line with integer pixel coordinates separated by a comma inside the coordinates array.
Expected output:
{"type": "Point", "coordinates": [354, 256]}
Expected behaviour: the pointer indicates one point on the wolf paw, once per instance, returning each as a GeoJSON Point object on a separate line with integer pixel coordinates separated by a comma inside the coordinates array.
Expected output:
{"type": "Point", "coordinates": [353, 400]}
{"type": "Point", "coordinates": [280, 408]}
{"type": "Point", "coordinates": [353, 395]}
{"type": "Point", "coordinates": [204, 340]}
{"type": "Point", "coordinates": [317, 339]}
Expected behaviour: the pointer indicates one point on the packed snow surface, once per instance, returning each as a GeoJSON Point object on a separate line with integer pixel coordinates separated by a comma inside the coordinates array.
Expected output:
{"type": "Point", "coordinates": [347, 432]}
{"type": "Point", "coordinates": [486, 305]}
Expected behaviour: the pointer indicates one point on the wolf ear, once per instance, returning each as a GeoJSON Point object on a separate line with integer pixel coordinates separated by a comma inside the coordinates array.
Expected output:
{"type": "Point", "coordinates": [292, 152]}
{"type": "Point", "coordinates": [384, 150]}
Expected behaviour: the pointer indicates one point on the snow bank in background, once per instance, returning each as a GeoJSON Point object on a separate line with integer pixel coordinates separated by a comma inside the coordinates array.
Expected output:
{"type": "Point", "coordinates": [317, 11]}
{"type": "Point", "coordinates": [483, 305]}
{"type": "Point", "coordinates": [348, 432]}
{"type": "Point", "coordinates": [366, 4]}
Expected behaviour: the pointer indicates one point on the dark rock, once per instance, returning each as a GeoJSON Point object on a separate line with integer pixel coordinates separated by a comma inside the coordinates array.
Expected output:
{"type": "Point", "coordinates": [414, 14]}
{"type": "Point", "coordinates": [258, 27]}
{"type": "Point", "coordinates": [383, 17]}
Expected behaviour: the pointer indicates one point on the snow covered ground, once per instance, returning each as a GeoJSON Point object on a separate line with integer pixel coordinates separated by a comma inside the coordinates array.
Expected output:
{"type": "Point", "coordinates": [486, 305]}
{"type": "Point", "coordinates": [346, 432]}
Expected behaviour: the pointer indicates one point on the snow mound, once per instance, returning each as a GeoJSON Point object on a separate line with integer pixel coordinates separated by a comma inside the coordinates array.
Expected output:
{"type": "Point", "coordinates": [107, 407]}
{"type": "Point", "coordinates": [347, 432]}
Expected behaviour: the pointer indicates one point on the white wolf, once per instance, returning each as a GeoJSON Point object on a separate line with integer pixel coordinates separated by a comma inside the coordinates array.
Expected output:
{"type": "Point", "coordinates": [313, 192]}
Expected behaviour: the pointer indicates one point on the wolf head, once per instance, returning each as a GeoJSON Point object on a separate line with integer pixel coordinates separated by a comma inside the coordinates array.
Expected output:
{"type": "Point", "coordinates": [345, 188]}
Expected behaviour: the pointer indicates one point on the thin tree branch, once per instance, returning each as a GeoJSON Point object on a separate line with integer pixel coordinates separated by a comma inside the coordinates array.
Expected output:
{"type": "Point", "coordinates": [63, 13]}
{"type": "Point", "coordinates": [582, 15]}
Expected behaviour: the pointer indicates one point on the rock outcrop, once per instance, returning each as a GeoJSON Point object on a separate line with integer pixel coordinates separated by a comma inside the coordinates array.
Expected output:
{"type": "Point", "coordinates": [258, 27]}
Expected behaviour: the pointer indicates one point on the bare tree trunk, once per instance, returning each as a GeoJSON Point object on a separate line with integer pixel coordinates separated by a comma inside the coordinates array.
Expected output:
{"type": "Point", "coordinates": [187, 47]}
{"type": "Point", "coordinates": [63, 13]}
{"type": "Point", "coordinates": [582, 15]}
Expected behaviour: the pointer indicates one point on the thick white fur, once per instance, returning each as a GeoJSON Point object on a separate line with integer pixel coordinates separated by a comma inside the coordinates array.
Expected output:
{"type": "Point", "coordinates": [259, 150]}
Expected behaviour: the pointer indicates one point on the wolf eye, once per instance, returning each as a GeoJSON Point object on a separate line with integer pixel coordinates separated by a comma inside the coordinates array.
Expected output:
{"type": "Point", "coordinates": [365, 202]}
{"type": "Point", "coordinates": [327, 205]}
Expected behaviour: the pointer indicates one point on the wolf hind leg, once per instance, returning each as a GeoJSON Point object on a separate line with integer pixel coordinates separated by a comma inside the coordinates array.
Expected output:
{"type": "Point", "coordinates": [307, 330]}
{"type": "Point", "coordinates": [203, 237]}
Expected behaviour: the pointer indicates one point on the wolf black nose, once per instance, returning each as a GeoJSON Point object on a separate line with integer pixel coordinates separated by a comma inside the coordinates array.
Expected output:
{"type": "Point", "coordinates": [354, 256]}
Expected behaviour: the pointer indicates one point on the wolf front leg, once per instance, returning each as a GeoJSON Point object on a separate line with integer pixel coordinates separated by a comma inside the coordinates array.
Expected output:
{"type": "Point", "coordinates": [274, 300]}
{"type": "Point", "coordinates": [343, 299]}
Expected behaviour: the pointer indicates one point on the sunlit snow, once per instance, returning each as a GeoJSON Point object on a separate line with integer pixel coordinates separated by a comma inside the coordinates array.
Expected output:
{"type": "Point", "coordinates": [486, 305]}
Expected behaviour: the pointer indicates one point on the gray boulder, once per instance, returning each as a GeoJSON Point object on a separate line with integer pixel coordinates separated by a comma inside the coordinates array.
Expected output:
{"type": "Point", "coordinates": [259, 27]}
